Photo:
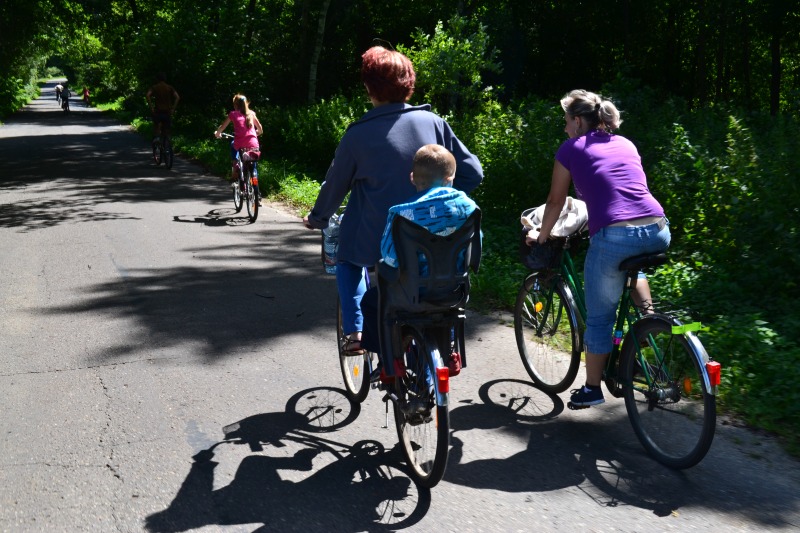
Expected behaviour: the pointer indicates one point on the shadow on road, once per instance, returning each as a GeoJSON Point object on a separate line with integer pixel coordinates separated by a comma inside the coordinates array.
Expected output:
{"type": "Point", "coordinates": [81, 160]}
{"type": "Point", "coordinates": [355, 487]}
{"type": "Point", "coordinates": [227, 309]}
{"type": "Point", "coordinates": [603, 451]}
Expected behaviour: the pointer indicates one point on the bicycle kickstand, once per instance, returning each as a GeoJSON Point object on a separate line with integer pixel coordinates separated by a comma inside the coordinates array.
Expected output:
{"type": "Point", "coordinates": [388, 396]}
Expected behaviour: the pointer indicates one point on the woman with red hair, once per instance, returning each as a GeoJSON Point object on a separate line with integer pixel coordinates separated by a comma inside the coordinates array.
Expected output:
{"type": "Point", "coordinates": [373, 162]}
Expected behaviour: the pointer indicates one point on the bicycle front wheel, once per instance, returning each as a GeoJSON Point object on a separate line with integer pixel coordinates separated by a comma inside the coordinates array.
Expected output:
{"type": "Point", "coordinates": [355, 368]}
{"type": "Point", "coordinates": [547, 332]}
{"type": "Point", "coordinates": [420, 411]}
{"type": "Point", "coordinates": [666, 394]}
{"type": "Point", "coordinates": [238, 193]}
{"type": "Point", "coordinates": [157, 153]}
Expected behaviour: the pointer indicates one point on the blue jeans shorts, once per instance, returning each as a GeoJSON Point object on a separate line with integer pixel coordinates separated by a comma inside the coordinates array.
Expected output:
{"type": "Point", "coordinates": [603, 280]}
{"type": "Point", "coordinates": [352, 284]}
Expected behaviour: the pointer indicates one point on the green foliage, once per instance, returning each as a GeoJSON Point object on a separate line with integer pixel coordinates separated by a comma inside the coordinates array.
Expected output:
{"type": "Point", "coordinates": [310, 134]}
{"type": "Point", "coordinates": [450, 64]}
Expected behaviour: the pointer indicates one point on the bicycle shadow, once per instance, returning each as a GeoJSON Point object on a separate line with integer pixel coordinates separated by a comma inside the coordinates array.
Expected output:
{"type": "Point", "coordinates": [215, 218]}
{"type": "Point", "coordinates": [599, 454]}
{"type": "Point", "coordinates": [296, 479]}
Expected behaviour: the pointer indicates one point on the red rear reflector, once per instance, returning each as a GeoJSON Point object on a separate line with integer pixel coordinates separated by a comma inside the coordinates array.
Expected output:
{"type": "Point", "coordinates": [714, 370]}
{"type": "Point", "coordinates": [443, 379]}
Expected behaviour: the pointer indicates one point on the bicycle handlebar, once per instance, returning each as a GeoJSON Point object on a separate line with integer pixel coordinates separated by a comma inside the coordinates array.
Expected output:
{"type": "Point", "coordinates": [223, 134]}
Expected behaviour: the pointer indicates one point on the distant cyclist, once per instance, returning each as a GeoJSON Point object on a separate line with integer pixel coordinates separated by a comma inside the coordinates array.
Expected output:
{"type": "Point", "coordinates": [59, 88]}
{"type": "Point", "coordinates": [162, 99]}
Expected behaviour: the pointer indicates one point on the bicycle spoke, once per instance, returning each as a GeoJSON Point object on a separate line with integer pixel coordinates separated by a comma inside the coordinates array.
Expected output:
{"type": "Point", "coordinates": [422, 421]}
{"type": "Point", "coordinates": [669, 407]}
{"type": "Point", "coordinates": [546, 333]}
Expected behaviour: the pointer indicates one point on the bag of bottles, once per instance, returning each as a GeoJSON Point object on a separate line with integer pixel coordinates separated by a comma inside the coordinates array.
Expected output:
{"type": "Point", "coordinates": [330, 244]}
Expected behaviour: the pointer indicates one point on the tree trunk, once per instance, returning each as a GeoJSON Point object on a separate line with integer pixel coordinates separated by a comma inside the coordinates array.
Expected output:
{"type": "Point", "coordinates": [775, 75]}
{"type": "Point", "coordinates": [312, 73]}
{"type": "Point", "coordinates": [251, 21]}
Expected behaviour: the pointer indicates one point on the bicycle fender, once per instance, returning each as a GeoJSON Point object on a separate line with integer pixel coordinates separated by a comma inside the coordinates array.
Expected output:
{"type": "Point", "coordinates": [698, 350]}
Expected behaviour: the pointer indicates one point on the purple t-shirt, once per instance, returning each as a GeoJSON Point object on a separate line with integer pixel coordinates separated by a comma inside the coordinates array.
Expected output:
{"type": "Point", "coordinates": [607, 172]}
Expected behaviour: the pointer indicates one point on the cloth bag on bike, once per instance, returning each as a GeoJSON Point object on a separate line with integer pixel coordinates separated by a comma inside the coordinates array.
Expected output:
{"type": "Point", "coordinates": [573, 218]}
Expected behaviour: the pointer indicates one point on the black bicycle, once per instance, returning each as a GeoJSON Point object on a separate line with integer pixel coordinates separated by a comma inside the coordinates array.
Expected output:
{"type": "Point", "coordinates": [65, 101]}
{"type": "Point", "coordinates": [245, 188]}
{"type": "Point", "coordinates": [422, 337]}
{"type": "Point", "coordinates": [162, 151]}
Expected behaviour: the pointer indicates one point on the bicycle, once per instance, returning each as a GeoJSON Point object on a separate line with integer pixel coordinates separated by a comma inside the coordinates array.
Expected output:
{"type": "Point", "coordinates": [65, 94]}
{"type": "Point", "coordinates": [657, 363]}
{"type": "Point", "coordinates": [245, 188]}
{"type": "Point", "coordinates": [422, 337]}
{"type": "Point", "coordinates": [162, 151]}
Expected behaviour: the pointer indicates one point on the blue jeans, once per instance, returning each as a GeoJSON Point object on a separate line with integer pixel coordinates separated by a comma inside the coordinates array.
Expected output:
{"type": "Point", "coordinates": [352, 285]}
{"type": "Point", "coordinates": [604, 281]}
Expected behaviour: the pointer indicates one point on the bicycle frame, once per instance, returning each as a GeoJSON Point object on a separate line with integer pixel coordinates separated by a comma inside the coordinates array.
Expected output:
{"type": "Point", "coordinates": [627, 314]}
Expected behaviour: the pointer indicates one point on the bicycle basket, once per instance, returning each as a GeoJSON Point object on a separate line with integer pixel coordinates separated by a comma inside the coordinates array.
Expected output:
{"type": "Point", "coordinates": [540, 256]}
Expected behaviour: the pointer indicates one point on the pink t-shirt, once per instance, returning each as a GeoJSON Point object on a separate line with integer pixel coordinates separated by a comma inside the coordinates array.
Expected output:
{"type": "Point", "coordinates": [607, 173]}
{"type": "Point", "coordinates": [243, 137]}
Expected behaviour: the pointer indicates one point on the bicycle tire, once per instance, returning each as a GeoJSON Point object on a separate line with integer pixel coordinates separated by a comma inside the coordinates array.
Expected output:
{"type": "Point", "coordinates": [238, 192]}
{"type": "Point", "coordinates": [168, 153]}
{"type": "Point", "coordinates": [421, 412]}
{"type": "Point", "coordinates": [157, 153]}
{"type": "Point", "coordinates": [675, 417]}
{"type": "Point", "coordinates": [547, 332]}
{"type": "Point", "coordinates": [250, 196]}
{"type": "Point", "coordinates": [355, 368]}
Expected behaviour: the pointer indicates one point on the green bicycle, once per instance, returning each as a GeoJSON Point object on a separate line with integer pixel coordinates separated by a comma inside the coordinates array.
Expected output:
{"type": "Point", "coordinates": [657, 363]}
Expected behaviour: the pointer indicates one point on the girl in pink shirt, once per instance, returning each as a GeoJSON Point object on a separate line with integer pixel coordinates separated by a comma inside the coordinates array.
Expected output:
{"type": "Point", "coordinates": [246, 129]}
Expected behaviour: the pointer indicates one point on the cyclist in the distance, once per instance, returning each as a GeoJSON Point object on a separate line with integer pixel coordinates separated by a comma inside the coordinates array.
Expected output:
{"type": "Point", "coordinates": [162, 99]}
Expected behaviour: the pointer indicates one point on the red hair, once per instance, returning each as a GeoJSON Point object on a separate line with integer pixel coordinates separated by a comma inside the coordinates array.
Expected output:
{"type": "Point", "coordinates": [388, 75]}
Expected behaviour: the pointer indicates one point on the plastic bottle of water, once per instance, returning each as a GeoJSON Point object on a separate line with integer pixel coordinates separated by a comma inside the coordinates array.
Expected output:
{"type": "Point", "coordinates": [330, 244]}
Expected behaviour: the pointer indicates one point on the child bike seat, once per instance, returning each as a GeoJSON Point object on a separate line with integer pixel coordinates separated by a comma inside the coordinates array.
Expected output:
{"type": "Point", "coordinates": [436, 295]}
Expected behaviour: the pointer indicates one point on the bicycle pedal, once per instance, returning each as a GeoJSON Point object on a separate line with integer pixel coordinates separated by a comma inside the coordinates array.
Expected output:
{"type": "Point", "coordinates": [572, 407]}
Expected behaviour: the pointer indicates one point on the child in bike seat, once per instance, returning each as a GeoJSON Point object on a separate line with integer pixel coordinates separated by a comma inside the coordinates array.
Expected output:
{"type": "Point", "coordinates": [246, 130]}
{"type": "Point", "coordinates": [436, 206]}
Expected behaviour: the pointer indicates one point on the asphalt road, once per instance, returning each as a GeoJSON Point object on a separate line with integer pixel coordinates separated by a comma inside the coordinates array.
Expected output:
{"type": "Point", "coordinates": [160, 359]}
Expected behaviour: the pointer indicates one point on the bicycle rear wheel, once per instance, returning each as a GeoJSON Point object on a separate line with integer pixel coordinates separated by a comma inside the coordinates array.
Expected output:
{"type": "Point", "coordinates": [547, 332]}
{"type": "Point", "coordinates": [157, 153]}
{"type": "Point", "coordinates": [666, 394]}
{"type": "Point", "coordinates": [168, 153]}
{"type": "Point", "coordinates": [251, 196]}
{"type": "Point", "coordinates": [355, 368]}
{"type": "Point", "coordinates": [420, 411]}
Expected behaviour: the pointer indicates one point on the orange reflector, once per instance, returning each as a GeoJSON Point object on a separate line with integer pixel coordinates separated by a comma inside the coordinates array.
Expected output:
{"type": "Point", "coordinates": [355, 371]}
{"type": "Point", "coordinates": [687, 385]}
{"type": "Point", "coordinates": [443, 379]}
{"type": "Point", "coordinates": [538, 306]}
{"type": "Point", "coordinates": [714, 370]}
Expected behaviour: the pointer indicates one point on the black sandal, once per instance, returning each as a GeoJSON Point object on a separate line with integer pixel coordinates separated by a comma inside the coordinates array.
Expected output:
{"type": "Point", "coordinates": [353, 347]}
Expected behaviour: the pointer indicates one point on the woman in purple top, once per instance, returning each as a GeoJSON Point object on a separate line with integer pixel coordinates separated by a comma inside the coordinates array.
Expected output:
{"type": "Point", "coordinates": [624, 219]}
{"type": "Point", "coordinates": [372, 163]}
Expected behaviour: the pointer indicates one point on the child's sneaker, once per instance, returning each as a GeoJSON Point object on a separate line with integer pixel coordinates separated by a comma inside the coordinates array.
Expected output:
{"type": "Point", "coordinates": [584, 397]}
